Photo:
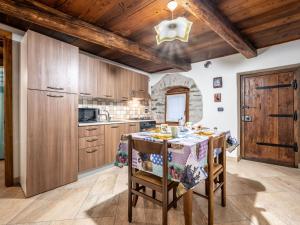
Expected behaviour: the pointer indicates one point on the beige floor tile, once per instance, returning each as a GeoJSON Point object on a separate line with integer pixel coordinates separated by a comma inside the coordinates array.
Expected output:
{"type": "Point", "coordinates": [54, 205]}
{"type": "Point", "coordinates": [97, 206]}
{"type": "Point", "coordinates": [9, 208]}
{"type": "Point", "coordinates": [258, 194]}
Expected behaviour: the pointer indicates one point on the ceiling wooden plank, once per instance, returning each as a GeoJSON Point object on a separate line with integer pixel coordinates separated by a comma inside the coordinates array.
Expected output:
{"type": "Point", "coordinates": [208, 12]}
{"type": "Point", "coordinates": [48, 17]}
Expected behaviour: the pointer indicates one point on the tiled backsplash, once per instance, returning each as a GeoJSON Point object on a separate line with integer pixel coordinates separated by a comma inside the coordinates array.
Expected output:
{"type": "Point", "coordinates": [118, 110]}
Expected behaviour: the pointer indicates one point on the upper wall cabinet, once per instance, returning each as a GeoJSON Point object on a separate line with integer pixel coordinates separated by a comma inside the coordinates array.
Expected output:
{"type": "Point", "coordinates": [52, 65]}
{"type": "Point", "coordinates": [102, 80]}
{"type": "Point", "coordinates": [106, 80]}
{"type": "Point", "coordinates": [139, 84]}
{"type": "Point", "coordinates": [87, 75]}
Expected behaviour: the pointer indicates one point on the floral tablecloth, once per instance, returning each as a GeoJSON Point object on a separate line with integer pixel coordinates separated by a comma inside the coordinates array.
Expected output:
{"type": "Point", "coordinates": [187, 158]}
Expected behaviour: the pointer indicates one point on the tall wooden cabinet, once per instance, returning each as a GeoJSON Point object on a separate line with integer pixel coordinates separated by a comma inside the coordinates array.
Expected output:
{"type": "Point", "coordinates": [51, 140]}
{"type": "Point", "coordinates": [49, 114]}
{"type": "Point", "coordinates": [53, 65]}
{"type": "Point", "coordinates": [87, 75]}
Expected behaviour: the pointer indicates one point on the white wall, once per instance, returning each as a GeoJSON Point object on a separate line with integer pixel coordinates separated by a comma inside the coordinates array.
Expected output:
{"type": "Point", "coordinates": [228, 67]}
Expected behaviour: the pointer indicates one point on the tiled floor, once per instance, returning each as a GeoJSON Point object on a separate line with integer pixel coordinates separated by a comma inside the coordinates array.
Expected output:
{"type": "Point", "coordinates": [258, 194]}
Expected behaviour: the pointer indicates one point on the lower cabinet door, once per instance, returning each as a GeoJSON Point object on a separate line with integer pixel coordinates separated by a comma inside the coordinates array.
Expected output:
{"type": "Point", "coordinates": [112, 140]}
{"type": "Point", "coordinates": [91, 158]}
{"type": "Point", "coordinates": [52, 134]}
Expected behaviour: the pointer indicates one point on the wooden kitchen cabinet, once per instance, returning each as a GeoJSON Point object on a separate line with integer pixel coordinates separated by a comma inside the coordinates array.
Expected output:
{"type": "Point", "coordinates": [124, 85]}
{"type": "Point", "coordinates": [52, 64]}
{"type": "Point", "coordinates": [133, 127]}
{"type": "Point", "coordinates": [91, 147]}
{"type": "Point", "coordinates": [91, 158]}
{"type": "Point", "coordinates": [50, 159]}
{"type": "Point", "coordinates": [113, 133]}
{"type": "Point", "coordinates": [139, 85]}
{"type": "Point", "coordinates": [87, 76]}
{"type": "Point", "coordinates": [89, 131]}
{"type": "Point", "coordinates": [105, 81]}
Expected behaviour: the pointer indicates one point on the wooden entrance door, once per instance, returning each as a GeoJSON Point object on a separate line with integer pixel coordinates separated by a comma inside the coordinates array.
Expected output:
{"type": "Point", "coordinates": [268, 118]}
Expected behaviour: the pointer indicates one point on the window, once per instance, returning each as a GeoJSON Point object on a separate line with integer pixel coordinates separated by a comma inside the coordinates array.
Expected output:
{"type": "Point", "coordinates": [177, 105]}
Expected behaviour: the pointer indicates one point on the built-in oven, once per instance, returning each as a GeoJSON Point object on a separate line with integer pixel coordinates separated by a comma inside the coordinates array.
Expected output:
{"type": "Point", "coordinates": [147, 125]}
{"type": "Point", "coordinates": [88, 115]}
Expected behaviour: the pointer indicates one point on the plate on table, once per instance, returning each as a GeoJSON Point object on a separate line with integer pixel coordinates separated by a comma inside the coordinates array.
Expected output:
{"type": "Point", "coordinates": [162, 136]}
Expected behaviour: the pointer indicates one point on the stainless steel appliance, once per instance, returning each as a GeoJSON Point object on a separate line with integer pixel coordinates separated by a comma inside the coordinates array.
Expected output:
{"type": "Point", "coordinates": [146, 125]}
{"type": "Point", "coordinates": [88, 115]}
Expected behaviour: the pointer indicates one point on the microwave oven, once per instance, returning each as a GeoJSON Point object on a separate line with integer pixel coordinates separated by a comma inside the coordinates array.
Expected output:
{"type": "Point", "coordinates": [88, 115]}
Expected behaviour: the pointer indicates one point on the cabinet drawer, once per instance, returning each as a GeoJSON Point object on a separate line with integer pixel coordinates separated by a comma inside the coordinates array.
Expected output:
{"type": "Point", "coordinates": [88, 142]}
{"type": "Point", "coordinates": [91, 158]}
{"type": "Point", "coordinates": [89, 131]}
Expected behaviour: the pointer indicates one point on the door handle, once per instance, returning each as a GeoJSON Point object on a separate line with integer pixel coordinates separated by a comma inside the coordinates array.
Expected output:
{"type": "Point", "coordinates": [91, 151]}
{"type": "Point", "coordinates": [55, 96]}
{"type": "Point", "coordinates": [91, 129]}
{"type": "Point", "coordinates": [85, 93]}
{"type": "Point", "coordinates": [92, 140]}
{"type": "Point", "coordinates": [54, 88]}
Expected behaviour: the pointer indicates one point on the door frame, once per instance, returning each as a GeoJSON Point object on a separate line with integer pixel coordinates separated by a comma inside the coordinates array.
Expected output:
{"type": "Point", "coordinates": [291, 68]}
{"type": "Point", "coordinates": [8, 107]}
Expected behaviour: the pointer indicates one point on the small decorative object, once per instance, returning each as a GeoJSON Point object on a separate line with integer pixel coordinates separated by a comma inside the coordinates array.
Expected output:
{"type": "Point", "coordinates": [217, 83]}
{"type": "Point", "coordinates": [207, 64]}
{"type": "Point", "coordinates": [217, 97]}
{"type": "Point", "coordinates": [220, 109]}
{"type": "Point", "coordinates": [170, 30]}
{"type": "Point", "coordinates": [164, 128]}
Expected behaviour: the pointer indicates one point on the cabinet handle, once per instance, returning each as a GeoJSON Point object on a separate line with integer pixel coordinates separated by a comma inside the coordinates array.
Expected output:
{"type": "Point", "coordinates": [132, 125]}
{"type": "Point", "coordinates": [91, 129]}
{"type": "Point", "coordinates": [115, 127]}
{"type": "Point", "coordinates": [91, 151]}
{"type": "Point", "coordinates": [92, 140]}
{"type": "Point", "coordinates": [109, 96]}
{"type": "Point", "coordinates": [85, 93]}
{"type": "Point", "coordinates": [54, 88]}
{"type": "Point", "coordinates": [142, 90]}
{"type": "Point", "coordinates": [55, 96]}
{"type": "Point", "coordinates": [125, 97]}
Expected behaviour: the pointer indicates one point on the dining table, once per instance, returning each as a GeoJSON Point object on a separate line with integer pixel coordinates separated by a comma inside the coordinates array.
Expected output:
{"type": "Point", "coordinates": [187, 159]}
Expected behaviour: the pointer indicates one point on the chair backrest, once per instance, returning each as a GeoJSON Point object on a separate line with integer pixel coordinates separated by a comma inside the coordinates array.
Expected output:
{"type": "Point", "coordinates": [218, 142]}
{"type": "Point", "coordinates": [149, 147]}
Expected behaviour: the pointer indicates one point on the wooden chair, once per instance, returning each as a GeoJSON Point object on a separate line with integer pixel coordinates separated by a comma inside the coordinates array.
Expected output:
{"type": "Point", "coordinates": [141, 180]}
{"type": "Point", "coordinates": [216, 170]}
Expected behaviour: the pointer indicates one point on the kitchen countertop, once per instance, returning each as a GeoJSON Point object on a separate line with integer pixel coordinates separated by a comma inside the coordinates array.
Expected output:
{"type": "Point", "coordinates": [113, 122]}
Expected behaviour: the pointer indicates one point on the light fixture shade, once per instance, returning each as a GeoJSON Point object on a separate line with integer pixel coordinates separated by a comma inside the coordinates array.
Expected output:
{"type": "Point", "coordinates": [169, 30]}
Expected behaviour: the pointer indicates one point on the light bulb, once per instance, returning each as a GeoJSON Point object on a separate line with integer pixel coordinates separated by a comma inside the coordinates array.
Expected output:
{"type": "Point", "coordinates": [172, 5]}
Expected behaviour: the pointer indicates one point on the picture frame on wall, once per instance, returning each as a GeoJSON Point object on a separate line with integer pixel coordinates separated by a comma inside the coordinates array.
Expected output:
{"type": "Point", "coordinates": [217, 82]}
{"type": "Point", "coordinates": [217, 97]}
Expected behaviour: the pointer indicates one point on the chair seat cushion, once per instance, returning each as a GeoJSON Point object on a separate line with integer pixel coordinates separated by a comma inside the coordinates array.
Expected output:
{"type": "Point", "coordinates": [149, 178]}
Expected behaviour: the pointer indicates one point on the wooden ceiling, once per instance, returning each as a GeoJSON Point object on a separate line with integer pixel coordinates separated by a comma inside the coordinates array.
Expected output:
{"type": "Point", "coordinates": [261, 22]}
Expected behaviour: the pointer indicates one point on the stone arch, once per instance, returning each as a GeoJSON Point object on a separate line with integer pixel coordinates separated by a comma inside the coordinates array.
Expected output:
{"type": "Point", "coordinates": [170, 81]}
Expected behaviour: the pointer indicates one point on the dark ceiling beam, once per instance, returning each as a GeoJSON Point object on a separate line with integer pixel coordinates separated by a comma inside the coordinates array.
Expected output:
{"type": "Point", "coordinates": [42, 15]}
{"type": "Point", "coordinates": [208, 12]}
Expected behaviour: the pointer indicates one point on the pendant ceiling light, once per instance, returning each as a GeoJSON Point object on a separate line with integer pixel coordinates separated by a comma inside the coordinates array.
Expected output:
{"type": "Point", "coordinates": [170, 30]}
